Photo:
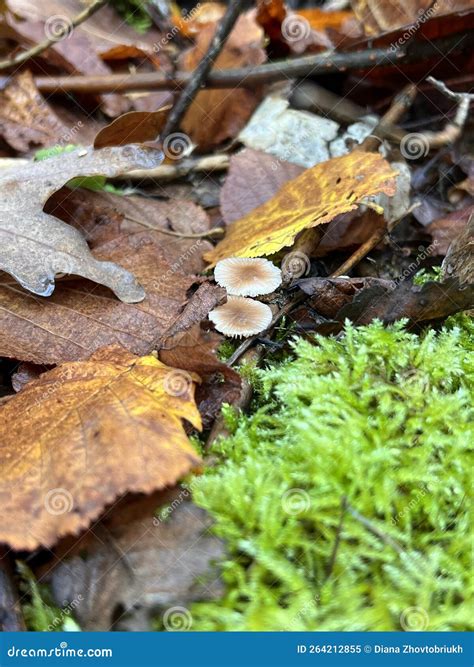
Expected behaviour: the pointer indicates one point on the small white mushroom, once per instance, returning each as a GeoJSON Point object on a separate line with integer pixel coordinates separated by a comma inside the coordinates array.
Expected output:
{"type": "Point", "coordinates": [241, 317]}
{"type": "Point", "coordinates": [246, 276]}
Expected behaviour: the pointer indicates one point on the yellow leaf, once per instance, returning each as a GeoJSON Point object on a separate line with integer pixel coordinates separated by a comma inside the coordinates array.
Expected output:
{"type": "Point", "coordinates": [84, 434]}
{"type": "Point", "coordinates": [315, 197]}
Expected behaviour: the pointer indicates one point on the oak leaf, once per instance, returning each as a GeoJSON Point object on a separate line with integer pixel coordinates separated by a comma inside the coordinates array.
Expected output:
{"type": "Point", "coordinates": [315, 197]}
{"type": "Point", "coordinates": [35, 246]}
{"type": "Point", "coordinates": [80, 317]}
{"type": "Point", "coordinates": [91, 431]}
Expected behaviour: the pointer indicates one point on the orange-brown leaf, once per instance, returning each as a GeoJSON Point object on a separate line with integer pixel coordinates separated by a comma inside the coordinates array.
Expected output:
{"type": "Point", "coordinates": [134, 127]}
{"type": "Point", "coordinates": [218, 115]}
{"type": "Point", "coordinates": [315, 197]}
{"type": "Point", "coordinates": [89, 432]}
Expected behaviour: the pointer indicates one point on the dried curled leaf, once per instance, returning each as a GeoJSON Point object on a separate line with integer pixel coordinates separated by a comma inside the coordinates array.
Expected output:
{"type": "Point", "coordinates": [134, 127]}
{"type": "Point", "coordinates": [91, 431]}
{"type": "Point", "coordinates": [315, 197]}
{"type": "Point", "coordinates": [35, 246]}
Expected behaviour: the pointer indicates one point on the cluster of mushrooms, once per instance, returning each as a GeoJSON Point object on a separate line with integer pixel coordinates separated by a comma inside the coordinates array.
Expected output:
{"type": "Point", "coordinates": [244, 277]}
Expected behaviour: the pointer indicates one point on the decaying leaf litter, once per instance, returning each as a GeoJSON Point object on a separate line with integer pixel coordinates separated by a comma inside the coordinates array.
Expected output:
{"type": "Point", "coordinates": [166, 153]}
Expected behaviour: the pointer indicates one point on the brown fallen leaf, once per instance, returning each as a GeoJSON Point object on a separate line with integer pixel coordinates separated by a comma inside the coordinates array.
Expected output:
{"type": "Point", "coordinates": [63, 462]}
{"type": "Point", "coordinates": [379, 17]}
{"type": "Point", "coordinates": [253, 178]}
{"type": "Point", "coordinates": [106, 31]}
{"type": "Point", "coordinates": [104, 36]}
{"type": "Point", "coordinates": [164, 563]}
{"type": "Point", "coordinates": [134, 127]}
{"type": "Point", "coordinates": [446, 229]}
{"type": "Point", "coordinates": [80, 317]}
{"type": "Point", "coordinates": [329, 295]}
{"type": "Point", "coordinates": [36, 246]}
{"type": "Point", "coordinates": [26, 119]}
{"type": "Point", "coordinates": [195, 351]}
{"type": "Point", "coordinates": [103, 216]}
{"type": "Point", "coordinates": [459, 260]}
{"type": "Point", "coordinates": [66, 54]}
{"type": "Point", "coordinates": [218, 115]}
{"type": "Point", "coordinates": [315, 197]}
{"type": "Point", "coordinates": [431, 301]}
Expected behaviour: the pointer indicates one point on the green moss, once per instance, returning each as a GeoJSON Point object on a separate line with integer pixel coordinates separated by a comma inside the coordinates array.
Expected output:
{"type": "Point", "coordinates": [39, 611]}
{"type": "Point", "coordinates": [134, 12]}
{"type": "Point", "coordinates": [382, 418]}
{"type": "Point", "coordinates": [426, 275]}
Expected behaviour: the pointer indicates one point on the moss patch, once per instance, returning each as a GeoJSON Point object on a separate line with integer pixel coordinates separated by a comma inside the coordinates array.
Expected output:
{"type": "Point", "coordinates": [382, 418]}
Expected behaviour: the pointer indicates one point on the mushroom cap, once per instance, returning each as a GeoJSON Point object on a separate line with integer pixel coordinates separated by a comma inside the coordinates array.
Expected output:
{"type": "Point", "coordinates": [241, 317]}
{"type": "Point", "coordinates": [247, 276]}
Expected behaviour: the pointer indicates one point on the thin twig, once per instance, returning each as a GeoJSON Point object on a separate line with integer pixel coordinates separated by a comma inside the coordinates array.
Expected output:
{"type": "Point", "coordinates": [453, 129]}
{"type": "Point", "coordinates": [337, 541]}
{"type": "Point", "coordinates": [217, 231]}
{"type": "Point", "coordinates": [369, 245]}
{"type": "Point", "coordinates": [244, 346]}
{"type": "Point", "coordinates": [168, 172]}
{"type": "Point", "coordinates": [400, 104]}
{"type": "Point", "coordinates": [372, 528]}
{"type": "Point", "coordinates": [45, 44]}
{"type": "Point", "coordinates": [202, 70]}
{"type": "Point", "coordinates": [321, 63]}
